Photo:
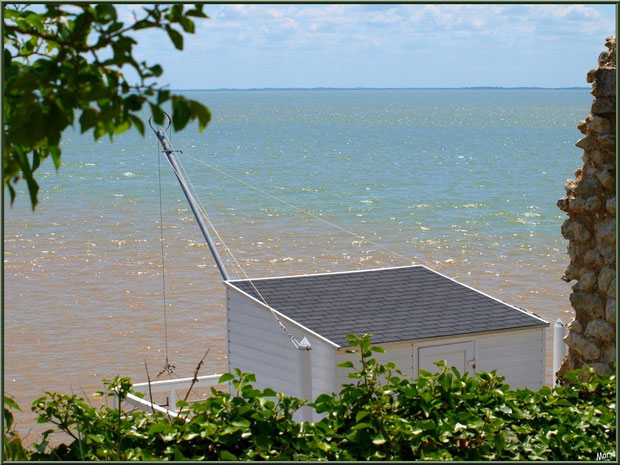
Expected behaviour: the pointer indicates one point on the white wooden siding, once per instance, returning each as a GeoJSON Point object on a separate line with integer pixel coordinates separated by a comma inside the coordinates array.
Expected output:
{"type": "Point", "coordinates": [517, 355]}
{"type": "Point", "coordinates": [257, 344]}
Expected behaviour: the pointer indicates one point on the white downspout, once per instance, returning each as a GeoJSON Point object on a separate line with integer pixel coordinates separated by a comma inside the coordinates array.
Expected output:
{"type": "Point", "coordinates": [559, 347]}
{"type": "Point", "coordinates": [305, 377]}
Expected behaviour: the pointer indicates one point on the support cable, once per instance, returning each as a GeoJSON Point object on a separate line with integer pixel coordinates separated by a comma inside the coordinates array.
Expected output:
{"type": "Point", "coordinates": [236, 262]}
{"type": "Point", "coordinates": [362, 238]}
{"type": "Point", "coordinates": [167, 366]}
{"type": "Point", "coordinates": [203, 212]}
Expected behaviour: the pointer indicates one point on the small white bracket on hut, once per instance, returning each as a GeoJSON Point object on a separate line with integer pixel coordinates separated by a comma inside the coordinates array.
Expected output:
{"type": "Point", "coordinates": [304, 344]}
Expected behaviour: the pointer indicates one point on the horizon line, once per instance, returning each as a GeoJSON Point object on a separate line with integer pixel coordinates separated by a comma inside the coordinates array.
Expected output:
{"type": "Point", "coordinates": [235, 89]}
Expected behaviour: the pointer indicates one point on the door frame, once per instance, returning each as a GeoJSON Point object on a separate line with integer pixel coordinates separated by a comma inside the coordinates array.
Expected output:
{"type": "Point", "coordinates": [468, 347]}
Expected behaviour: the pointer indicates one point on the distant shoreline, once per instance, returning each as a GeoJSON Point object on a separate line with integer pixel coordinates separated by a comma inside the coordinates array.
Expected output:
{"type": "Point", "coordinates": [258, 89]}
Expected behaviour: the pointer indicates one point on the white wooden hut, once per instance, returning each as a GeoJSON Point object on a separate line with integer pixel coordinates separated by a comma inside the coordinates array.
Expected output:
{"type": "Point", "coordinates": [417, 315]}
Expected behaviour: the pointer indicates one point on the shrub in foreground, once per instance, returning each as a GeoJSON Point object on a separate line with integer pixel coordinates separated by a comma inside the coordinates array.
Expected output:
{"type": "Point", "coordinates": [380, 415]}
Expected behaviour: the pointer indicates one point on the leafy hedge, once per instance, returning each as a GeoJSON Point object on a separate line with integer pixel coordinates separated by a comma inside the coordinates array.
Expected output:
{"type": "Point", "coordinates": [380, 415]}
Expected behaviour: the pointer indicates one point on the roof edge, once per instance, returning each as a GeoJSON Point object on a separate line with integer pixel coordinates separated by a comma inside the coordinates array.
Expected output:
{"type": "Point", "coordinates": [322, 274]}
{"type": "Point", "coordinates": [543, 322]}
{"type": "Point", "coordinates": [459, 336]}
{"type": "Point", "coordinates": [230, 285]}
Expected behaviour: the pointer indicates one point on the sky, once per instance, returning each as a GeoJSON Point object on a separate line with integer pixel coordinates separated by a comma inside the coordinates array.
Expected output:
{"type": "Point", "coordinates": [258, 46]}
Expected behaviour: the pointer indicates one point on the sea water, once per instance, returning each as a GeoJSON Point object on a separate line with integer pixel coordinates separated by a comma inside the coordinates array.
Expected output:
{"type": "Point", "coordinates": [463, 181]}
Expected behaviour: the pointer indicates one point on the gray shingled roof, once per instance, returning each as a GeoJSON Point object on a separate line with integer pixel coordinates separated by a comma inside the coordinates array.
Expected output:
{"type": "Point", "coordinates": [392, 304]}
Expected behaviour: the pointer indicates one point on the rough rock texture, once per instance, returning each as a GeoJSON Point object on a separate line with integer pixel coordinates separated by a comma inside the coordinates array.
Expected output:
{"type": "Point", "coordinates": [590, 202]}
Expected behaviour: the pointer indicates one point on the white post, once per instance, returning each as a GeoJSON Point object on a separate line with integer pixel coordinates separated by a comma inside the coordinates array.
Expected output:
{"type": "Point", "coordinates": [172, 400]}
{"type": "Point", "coordinates": [305, 377]}
{"type": "Point", "coordinates": [559, 347]}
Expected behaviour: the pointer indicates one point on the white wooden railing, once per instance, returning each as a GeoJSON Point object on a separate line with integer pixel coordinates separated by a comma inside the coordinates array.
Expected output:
{"type": "Point", "coordinates": [170, 386]}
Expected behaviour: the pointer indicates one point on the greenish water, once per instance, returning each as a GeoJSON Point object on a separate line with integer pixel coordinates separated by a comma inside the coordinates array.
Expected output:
{"type": "Point", "coordinates": [464, 181]}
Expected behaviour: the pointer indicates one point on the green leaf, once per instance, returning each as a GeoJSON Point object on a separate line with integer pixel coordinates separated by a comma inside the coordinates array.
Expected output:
{"type": "Point", "coordinates": [162, 96]}
{"type": "Point", "coordinates": [571, 375]}
{"type": "Point", "coordinates": [55, 153]}
{"type": "Point", "coordinates": [175, 37]}
{"type": "Point", "coordinates": [105, 13]}
{"type": "Point", "coordinates": [122, 127]}
{"type": "Point", "coordinates": [361, 414]}
{"type": "Point", "coordinates": [225, 455]}
{"type": "Point", "coordinates": [158, 114]}
{"type": "Point", "coordinates": [35, 20]}
{"type": "Point", "coordinates": [10, 13]}
{"type": "Point", "coordinates": [180, 113]}
{"type": "Point", "coordinates": [156, 71]}
{"type": "Point", "coordinates": [11, 191]}
{"type": "Point", "coordinates": [347, 364]}
{"type": "Point", "coordinates": [160, 428]}
{"type": "Point", "coordinates": [134, 102]}
{"type": "Point", "coordinates": [459, 427]}
{"type": "Point", "coordinates": [202, 112]}
{"type": "Point", "coordinates": [137, 122]}
{"type": "Point", "coordinates": [187, 24]}
{"type": "Point", "coordinates": [226, 377]}
{"type": "Point", "coordinates": [445, 379]}
{"type": "Point", "coordinates": [88, 119]}
{"type": "Point", "coordinates": [378, 439]}
{"type": "Point", "coordinates": [7, 58]}
{"type": "Point", "coordinates": [11, 403]}
{"type": "Point", "coordinates": [196, 12]}
{"type": "Point", "coordinates": [33, 186]}
{"type": "Point", "coordinates": [175, 12]}
{"type": "Point", "coordinates": [241, 423]}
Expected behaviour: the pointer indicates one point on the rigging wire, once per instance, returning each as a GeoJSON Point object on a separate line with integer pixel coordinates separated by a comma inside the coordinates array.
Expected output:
{"type": "Point", "coordinates": [299, 209]}
{"type": "Point", "coordinates": [234, 259]}
{"type": "Point", "coordinates": [167, 366]}
{"type": "Point", "coordinates": [203, 212]}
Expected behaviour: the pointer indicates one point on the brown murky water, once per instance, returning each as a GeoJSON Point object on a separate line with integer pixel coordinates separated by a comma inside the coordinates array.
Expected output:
{"type": "Point", "coordinates": [78, 310]}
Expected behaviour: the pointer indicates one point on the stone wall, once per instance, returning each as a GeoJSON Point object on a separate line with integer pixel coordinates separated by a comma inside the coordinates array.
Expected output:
{"type": "Point", "coordinates": [590, 202]}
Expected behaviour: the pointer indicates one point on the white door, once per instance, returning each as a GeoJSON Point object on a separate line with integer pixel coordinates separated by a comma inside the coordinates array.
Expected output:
{"type": "Point", "coordinates": [459, 356]}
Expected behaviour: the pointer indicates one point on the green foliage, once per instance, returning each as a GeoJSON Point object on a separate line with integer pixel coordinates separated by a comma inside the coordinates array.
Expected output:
{"type": "Point", "coordinates": [64, 63]}
{"type": "Point", "coordinates": [13, 448]}
{"type": "Point", "coordinates": [379, 415]}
